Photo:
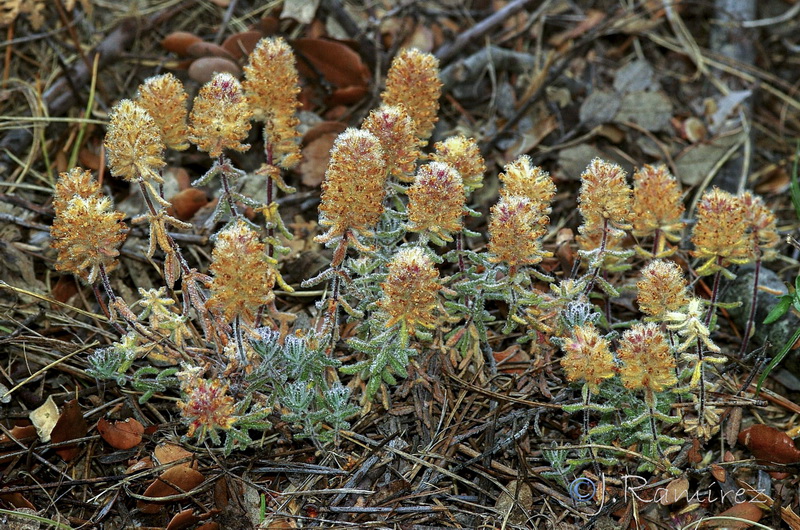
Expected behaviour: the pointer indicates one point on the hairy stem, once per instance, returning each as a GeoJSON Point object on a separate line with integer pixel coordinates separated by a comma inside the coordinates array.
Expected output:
{"type": "Point", "coordinates": [751, 317]}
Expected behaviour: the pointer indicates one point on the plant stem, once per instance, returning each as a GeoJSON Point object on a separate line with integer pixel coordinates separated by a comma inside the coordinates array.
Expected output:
{"type": "Point", "coordinates": [98, 295]}
{"type": "Point", "coordinates": [714, 293]}
{"type": "Point", "coordinates": [600, 252]}
{"type": "Point", "coordinates": [751, 317]}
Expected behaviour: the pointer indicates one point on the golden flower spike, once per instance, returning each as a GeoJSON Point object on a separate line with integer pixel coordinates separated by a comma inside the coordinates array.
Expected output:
{"type": "Point", "coordinates": [663, 289]}
{"type": "Point", "coordinates": [395, 131]}
{"type": "Point", "coordinates": [271, 85]}
{"type": "Point", "coordinates": [463, 154]}
{"type": "Point", "coordinates": [522, 178]}
{"type": "Point", "coordinates": [133, 144]}
{"type": "Point", "coordinates": [762, 227]}
{"type": "Point", "coordinates": [76, 181]}
{"type": "Point", "coordinates": [354, 185]}
{"type": "Point", "coordinates": [242, 276]}
{"type": "Point", "coordinates": [164, 97]}
{"type": "Point", "coordinates": [515, 230]}
{"type": "Point", "coordinates": [604, 197]}
{"type": "Point", "coordinates": [587, 357]}
{"type": "Point", "coordinates": [220, 117]}
{"type": "Point", "coordinates": [87, 234]}
{"type": "Point", "coordinates": [410, 290]}
{"type": "Point", "coordinates": [720, 235]}
{"type": "Point", "coordinates": [436, 201]}
{"type": "Point", "coordinates": [657, 208]}
{"type": "Point", "coordinates": [413, 82]}
{"type": "Point", "coordinates": [647, 362]}
{"type": "Point", "coordinates": [207, 407]}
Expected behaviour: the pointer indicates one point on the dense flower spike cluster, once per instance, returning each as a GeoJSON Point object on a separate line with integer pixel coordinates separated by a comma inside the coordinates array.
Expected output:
{"type": "Point", "coordinates": [521, 177]}
{"type": "Point", "coordinates": [271, 85]}
{"type": "Point", "coordinates": [657, 204]}
{"type": "Point", "coordinates": [220, 117]}
{"type": "Point", "coordinates": [133, 143]}
{"type": "Point", "coordinates": [463, 154]}
{"type": "Point", "coordinates": [662, 289]}
{"type": "Point", "coordinates": [515, 230]}
{"type": "Point", "coordinates": [587, 357]}
{"type": "Point", "coordinates": [413, 83]}
{"type": "Point", "coordinates": [436, 200]}
{"type": "Point", "coordinates": [604, 197]}
{"type": "Point", "coordinates": [354, 185]}
{"type": "Point", "coordinates": [395, 131]}
{"type": "Point", "coordinates": [243, 277]}
{"type": "Point", "coordinates": [164, 98]}
{"type": "Point", "coordinates": [75, 182]}
{"type": "Point", "coordinates": [87, 234]}
{"type": "Point", "coordinates": [647, 362]}
{"type": "Point", "coordinates": [410, 290]}
{"type": "Point", "coordinates": [761, 226]}
{"type": "Point", "coordinates": [720, 235]}
{"type": "Point", "coordinates": [207, 407]}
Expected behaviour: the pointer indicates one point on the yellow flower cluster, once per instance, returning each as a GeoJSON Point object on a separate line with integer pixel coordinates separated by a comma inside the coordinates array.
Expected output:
{"type": "Point", "coordinates": [515, 230]}
{"type": "Point", "coordinates": [413, 82]}
{"type": "Point", "coordinates": [164, 98]}
{"type": "Point", "coordinates": [587, 357]}
{"type": "Point", "coordinates": [436, 200]}
{"type": "Point", "coordinates": [521, 177]}
{"type": "Point", "coordinates": [761, 227]}
{"type": "Point", "coordinates": [410, 290]}
{"type": "Point", "coordinates": [87, 234]}
{"type": "Point", "coordinates": [604, 197]}
{"type": "Point", "coordinates": [720, 235]}
{"type": "Point", "coordinates": [220, 117]}
{"type": "Point", "coordinates": [647, 361]}
{"type": "Point", "coordinates": [354, 185]}
{"type": "Point", "coordinates": [657, 204]}
{"type": "Point", "coordinates": [271, 85]}
{"type": "Point", "coordinates": [395, 131]}
{"type": "Point", "coordinates": [76, 181]}
{"type": "Point", "coordinates": [207, 407]}
{"type": "Point", "coordinates": [463, 154]}
{"type": "Point", "coordinates": [133, 143]}
{"type": "Point", "coordinates": [242, 275]}
{"type": "Point", "coordinates": [662, 289]}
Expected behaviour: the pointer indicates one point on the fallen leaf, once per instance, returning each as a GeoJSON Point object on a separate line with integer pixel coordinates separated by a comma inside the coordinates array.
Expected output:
{"type": "Point", "coordinates": [517, 501]}
{"type": "Point", "coordinates": [696, 162]}
{"type": "Point", "coordinates": [650, 110]}
{"type": "Point", "coordinates": [17, 500]}
{"type": "Point", "coordinates": [183, 519]}
{"type": "Point", "coordinates": [44, 419]}
{"type": "Point", "coordinates": [317, 144]}
{"type": "Point", "coordinates": [208, 49]}
{"type": "Point", "coordinates": [70, 425]}
{"type": "Point", "coordinates": [181, 476]}
{"type": "Point", "coordinates": [203, 69]}
{"type": "Point", "coordinates": [141, 465]}
{"type": "Point", "coordinates": [178, 42]}
{"type": "Point", "coordinates": [186, 203]}
{"type": "Point", "coordinates": [167, 453]}
{"type": "Point", "coordinates": [744, 510]}
{"type": "Point", "coordinates": [123, 435]}
{"type": "Point", "coordinates": [303, 11]}
{"type": "Point", "coordinates": [242, 44]}
{"type": "Point", "coordinates": [592, 19]}
{"type": "Point", "coordinates": [339, 64]}
{"type": "Point", "coordinates": [718, 472]}
{"type": "Point", "coordinates": [769, 444]}
{"type": "Point", "coordinates": [676, 490]}
{"type": "Point", "coordinates": [510, 359]}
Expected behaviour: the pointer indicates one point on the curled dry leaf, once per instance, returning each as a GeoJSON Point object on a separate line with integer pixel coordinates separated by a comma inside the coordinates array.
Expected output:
{"type": "Point", "coordinates": [178, 42]}
{"type": "Point", "coordinates": [181, 476]}
{"type": "Point", "coordinates": [141, 465]}
{"type": "Point", "coordinates": [241, 44]}
{"type": "Point", "coordinates": [339, 64]}
{"type": "Point", "coordinates": [44, 419]}
{"type": "Point", "coordinates": [123, 435]}
{"type": "Point", "coordinates": [769, 444]}
{"type": "Point", "coordinates": [70, 425]}
{"type": "Point", "coordinates": [167, 453]}
{"type": "Point", "coordinates": [512, 360]}
{"type": "Point", "coordinates": [676, 490]}
{"type": "Point", "coordinates": [317, 144]}
{"type": "Point", "coordinates": [203, 69]}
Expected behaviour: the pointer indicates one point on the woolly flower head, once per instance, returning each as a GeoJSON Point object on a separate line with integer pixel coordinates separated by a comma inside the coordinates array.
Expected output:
{"type": "Point", "coordinates": [271, 85]}
{"type": "Point", "coordinates": [463, 154]}
{"type": "Point", "coordinates": [604, 196]}
{"type": "Point", "coordinates": [87, 234]}
{"type": "Point", "coordinates": [413, 82]}
{"type": "Point", "coordinates": [657, 203]}
{"type": "Point", "coordinates": [133, 143]}
{"type": "Point", "coordinates": [354, 185]}
{"type": "Point", "coordinates": [395, 131]}
{"type": "Point", "coordinates": [410, 290]}
{"type": "Point", "coordinates": [436, 200]}
{"type": "Point", "coordinates": [515, 227]}
{"type": "Point", "coordinates": [647, 361]}
{"type": "Point", "coordinates": [662, 289]}
{"type": "Point", "coordinates": [220, 117]}
{"type": "Point", "coordinates": [761, 225]}
{"type": "Point", "coordinates": [207, 407]}
{"type": "Point", "coordinates": [75, 182]}
{"type": "Point", "coordinates": [164, 97]}
{"type": "Point", "coordinates": [242, 276]}
{"type": "Point", "coordinates": [522, 178]}
{"type": "Point", "coordinates": [587, 356]}
{"type": "Point", "coordinates": [720, 234]}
